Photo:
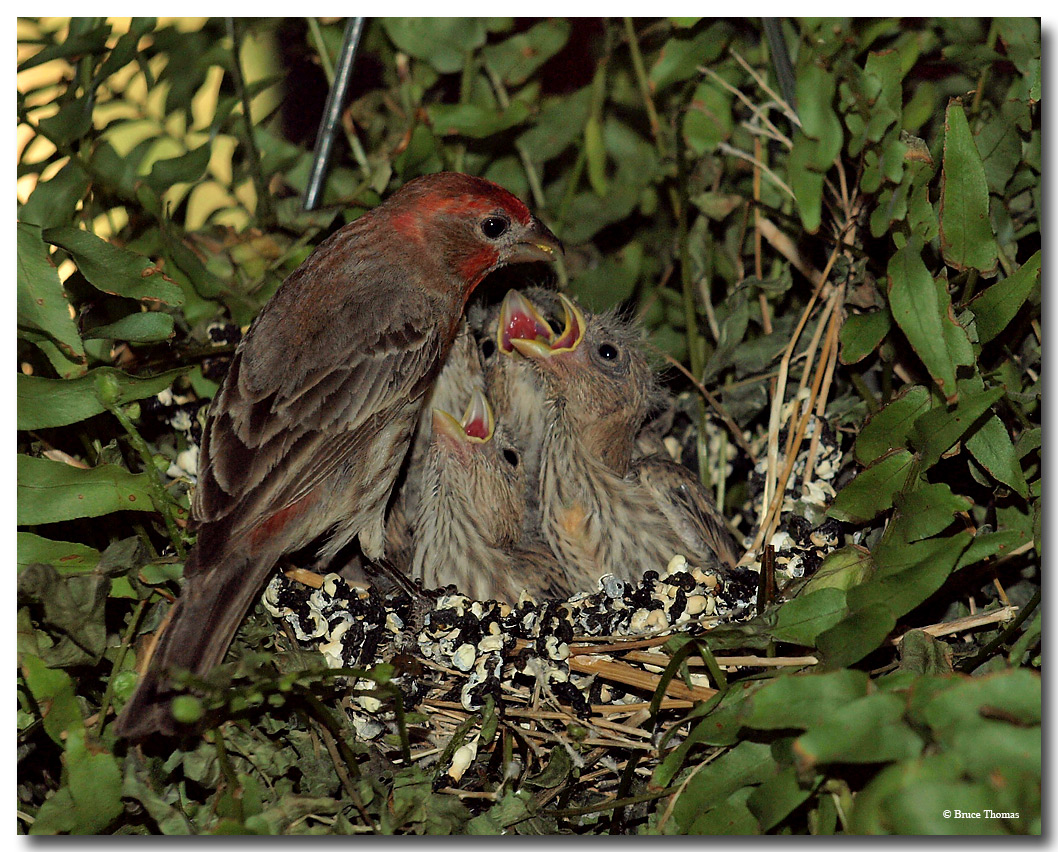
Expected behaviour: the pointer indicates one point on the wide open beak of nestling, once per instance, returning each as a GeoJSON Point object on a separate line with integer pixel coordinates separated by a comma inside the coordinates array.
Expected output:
{"type": "Point", "coordinates": [476, 427]}
{"type": "Point", "coordinates": [568, 341]}
{"type": "Point", "coordinates": [519, 319]}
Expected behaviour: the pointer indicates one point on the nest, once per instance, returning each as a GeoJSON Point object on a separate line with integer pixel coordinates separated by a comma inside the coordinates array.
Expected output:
{"type": "Point", "coordinates": [589, 664]}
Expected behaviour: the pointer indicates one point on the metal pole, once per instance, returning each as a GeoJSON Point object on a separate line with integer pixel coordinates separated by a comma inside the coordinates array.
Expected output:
{"type": "Point", "coordinates": [332, 113]}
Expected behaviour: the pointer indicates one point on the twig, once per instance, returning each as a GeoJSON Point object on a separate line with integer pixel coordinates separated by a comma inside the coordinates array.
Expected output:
{"type": "Point", "coordinates": [758, 261]}
{"type": "Point", "coordinates": [126, 640]}
{"type": "Point", "coordinates": [782, 104]}
{"type": "Point", "coordinates": [644, 85]}
{"type": "Point", "coordinates": [737, 661]}
{"type": "Point", "coordinates": [831, 355]}
{"type": "Point", "coordinates": [772, 130]}
{"type": "Point", "coordinates": [266, 214]}
{"type": "Point", "coordinates": [721, 412]}
{"type": "Point", "coordinates": [622, 673]}
{"type": "Point", "coordinates": [771, 503]}
{"type": "Point", "coordinates": [967, 622]}
{"type": "Point", "coordinates": [163, 502]}
{"type": "Point", "coordinates": [785, 246]}
{"type": "Point", "coordinates": [749, 158]}
{"type": "Point", "coordinates": [536, 187]}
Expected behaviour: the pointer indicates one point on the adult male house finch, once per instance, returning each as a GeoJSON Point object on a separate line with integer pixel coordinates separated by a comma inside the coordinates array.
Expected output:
{"type": "Point", "coordinates": [313, 420]}
{"type": "Point", "coordinates": [468, 531]}
{"type": "Point", "coordinates": [603, 511]}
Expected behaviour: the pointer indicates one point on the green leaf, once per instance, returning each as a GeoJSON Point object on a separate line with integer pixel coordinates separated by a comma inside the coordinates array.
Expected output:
{"type": "Point", "coordinates": [922, 311]}
{"type": "Point", "coordinates": [799, 621]}
{"type": "Point", "coordinates": [819, 122]}
{"type": "Point", "coordinates": [519, 56]}
{"type": "Point", "coordinates": [166, 815]}
{"type": "Point", "coordinates": [53, 692]}
{"type": "Point", "coordinates": [70, 123]}
{"type": "Point", "coordinates": [72, 607]}
{"type": "Point", "coordinates": [680, 58]}
{"type": "Point", "coordinates": [91, 41]}
{"type": "Point", "coordinates": [114, 270]}
{"type": "Point", "coordinates": [730, 817]}
{"type": "Point", "coordinates": [95, 785]}
{"type": "Point", "coordinates": [883, 69]}
{"type": "Point", "coordinates": [46, 403]}
{"type": "Point", "coordinates": [444, 43]}
{"type": "Point", "coordinates": [912, 797]}
{"type": "Point", "coordinates": [889, 428]}
{"type": "Point", "coordinates": [42, 304]}
{"type": "Point", "coordinates": [475, 121]}
{"type": "Point", "coordinates": [861, 334]}
{"type": "Point", "coordinates": [922, 653]}
{"type": "Point", "coordinates": [140, 327]}
{"type": "Point", "coordinates": [806, 183]}
{"type": "Point", "coordinates": [804, 700]}
{"type": "Point", "coordinates": [747, 763]}
{"type": "Point", "coordinates": [872, 491]}
{"type": "Point", "coordinates": [708, 120]}
{"type": "Point", "coordinates": [909, 573]}
{"type": "Point", "coordinates": [595, 155]}
{"type": "Point", "coordinates": [856, 635]}
{"type": "Point", "coordinates": [927, 510]}
{"type": "Point", "coordinates": [65, 556]}
{"type": "Point", "coordinates": [986, 545]}
{"type": "Point", "coordinates": [936, 431]}
{"type": "Point", "coordinates": [54, 201]}
{"type": "Point", "coordinates": [778, 797]}
{"type": "Point", "coordinates": [998, 305]}
{"type": "Point", "coordinates": [612, 281]}
{"type": "Point", "coordinates": [841, 570]}
{"type": "Point", "coordinates": [966, 238]}
{"type": "Point", "coordinates": [187, 168]}
{"type": "Point", "coordinates": [508, 811]}
{"type": "Point", "coordinates": [555, 773]}
{"type": "Point", "coordinates": [49, 491]}
{"type": "Point", "coordinates": [559, 123]}
{"type": "Point", "coordinates": [994, 451]}
{"type": "Point", "coordinates": [868, 730]}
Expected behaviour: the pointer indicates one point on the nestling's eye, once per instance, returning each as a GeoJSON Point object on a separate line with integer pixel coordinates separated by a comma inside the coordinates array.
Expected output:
{"type": "Point", "coordinates": [608, 352]}
{"type": "Point", "coordinates": [488, 348]}
{"type": "Point", "coordinates": [494, 227]}
{"type": "Point", "coordinates": [511, 457]}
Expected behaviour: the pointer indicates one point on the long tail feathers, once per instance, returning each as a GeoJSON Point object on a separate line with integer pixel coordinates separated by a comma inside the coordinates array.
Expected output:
{"type": "Point", "coordinates": [195, 637]}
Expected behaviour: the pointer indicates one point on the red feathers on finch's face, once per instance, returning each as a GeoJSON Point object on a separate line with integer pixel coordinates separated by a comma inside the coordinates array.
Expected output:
{"type": "Point", "coordinates": [309, 429]}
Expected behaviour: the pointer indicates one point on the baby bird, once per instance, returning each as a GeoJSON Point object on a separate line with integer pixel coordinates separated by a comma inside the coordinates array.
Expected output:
{"type": "Point", "coordinates": [468, 529]}
{"type": "Point", "coordinates": [511, 382]}
{"type": "Point", "coordinates": [602, 509]}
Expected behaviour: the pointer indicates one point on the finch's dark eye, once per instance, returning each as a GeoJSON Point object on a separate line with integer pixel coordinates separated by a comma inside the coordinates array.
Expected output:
{"type": "Point", "coordinates": [511, 457]}
{"type": "Point", "coordinates": [607, 351]}
{"type": "Point", "coordinates": [494, 227]}
{"type": "Point", "coordinates": [488, 347]}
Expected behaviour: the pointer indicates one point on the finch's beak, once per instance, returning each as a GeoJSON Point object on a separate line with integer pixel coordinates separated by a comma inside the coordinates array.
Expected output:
{"type": "Point", "coordinates": [476, 427]}
{"type": "Point", "coordinates": [519, 319]}
{"type": "Point", "coordinates": [568, 341]}
{"type": "Point", "coordinates": [478, 420]}
{"type": "Point", "coordinates": [537, 244]}
{"type": "Point", "coordinates": [573, 328]}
